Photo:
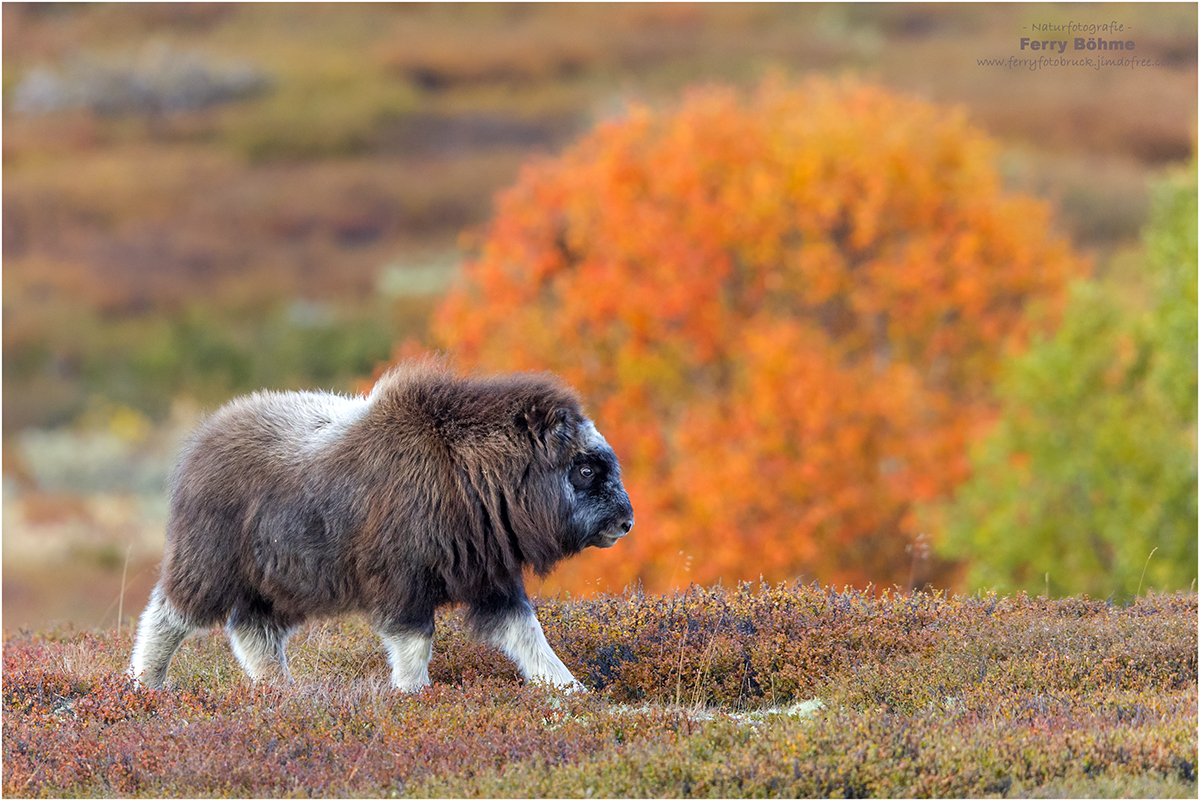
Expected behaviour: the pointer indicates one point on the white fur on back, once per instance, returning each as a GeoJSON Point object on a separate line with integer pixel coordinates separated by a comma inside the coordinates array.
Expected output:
{"type": "Point", "coordinates": [332, 416]}
{"type": "Point", "coordinates": [306, 422]}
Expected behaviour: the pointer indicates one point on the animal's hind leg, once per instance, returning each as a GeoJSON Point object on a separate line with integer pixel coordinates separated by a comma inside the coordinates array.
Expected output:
{"type": "Point", "coordinates": [259, 644]}
{"type": "Point", "coordinates": [161, 629]}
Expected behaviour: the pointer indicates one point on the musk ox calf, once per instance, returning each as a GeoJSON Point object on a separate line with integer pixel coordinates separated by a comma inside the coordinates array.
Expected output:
{"type": "Point", "coordinates": [433, 489]}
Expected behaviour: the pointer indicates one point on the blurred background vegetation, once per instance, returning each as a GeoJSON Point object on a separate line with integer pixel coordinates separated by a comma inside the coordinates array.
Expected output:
{"type": "Point", "coordinates": [205, 199]}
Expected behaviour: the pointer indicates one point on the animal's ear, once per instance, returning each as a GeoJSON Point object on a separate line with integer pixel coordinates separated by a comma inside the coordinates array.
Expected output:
{"type": "Point", "coordinates": [553, 428]}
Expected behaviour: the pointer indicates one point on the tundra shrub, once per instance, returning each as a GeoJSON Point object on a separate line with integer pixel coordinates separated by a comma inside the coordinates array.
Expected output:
{"type": "Point", "coordinates": [782, 690]}
{"type": "Point", "coordinates": [785, 309]}
{"type": "Point", "coordinates": [1092, 467]}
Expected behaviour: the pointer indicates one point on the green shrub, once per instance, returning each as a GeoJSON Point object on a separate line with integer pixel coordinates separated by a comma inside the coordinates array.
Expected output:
{"type": "Point", "coordinates": [211, 354]}
{"type": "Point", "coordinates": [333, 113]}
{"type": "Point", "coordinates": [1092, 466]}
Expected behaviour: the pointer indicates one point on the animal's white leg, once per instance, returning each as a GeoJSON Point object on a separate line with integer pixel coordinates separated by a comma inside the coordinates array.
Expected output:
{"type": "Point", "coordinates": [260, 648]}
{"type": "Point", "coordinates": [161, 629]}
{"type": "Point", "coordinates": [519, 636]}
{"type": "Point", "coordinates": [409, 654]}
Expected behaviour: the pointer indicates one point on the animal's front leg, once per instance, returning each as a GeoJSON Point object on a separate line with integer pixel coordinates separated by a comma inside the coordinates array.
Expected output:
{"type": "Point", "coordinates": [409, 652]}
{"type": "Point", "coordinates": [514, 629]}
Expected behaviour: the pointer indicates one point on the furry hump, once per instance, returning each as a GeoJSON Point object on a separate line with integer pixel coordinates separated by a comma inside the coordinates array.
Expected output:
{"type": "Point", "coordinates": [486, 446]}
{"type": "Point", "coordinates": [429, 399]}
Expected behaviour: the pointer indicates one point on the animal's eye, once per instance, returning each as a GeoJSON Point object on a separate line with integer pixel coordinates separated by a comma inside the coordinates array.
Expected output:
{"type": "Point", "coordinates": [582, 476]}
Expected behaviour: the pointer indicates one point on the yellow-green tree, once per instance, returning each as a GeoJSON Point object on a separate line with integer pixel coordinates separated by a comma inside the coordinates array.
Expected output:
{"type": "Point", "coordinates": [1092, 467]}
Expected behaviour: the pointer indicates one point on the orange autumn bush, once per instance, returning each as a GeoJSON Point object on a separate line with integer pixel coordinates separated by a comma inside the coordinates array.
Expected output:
{"type": "Point", "coordinates": [784, 310]}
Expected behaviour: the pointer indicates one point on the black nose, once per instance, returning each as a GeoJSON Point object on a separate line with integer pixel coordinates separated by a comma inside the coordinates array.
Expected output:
{"type": "Point", "coordinates": [628, 524]}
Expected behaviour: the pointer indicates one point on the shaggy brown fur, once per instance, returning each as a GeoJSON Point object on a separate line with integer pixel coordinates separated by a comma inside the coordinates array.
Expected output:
{"type": "Point", "coordinates": [433, 489]}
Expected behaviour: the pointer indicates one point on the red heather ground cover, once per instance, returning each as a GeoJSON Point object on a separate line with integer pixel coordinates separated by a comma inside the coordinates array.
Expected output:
{"type": "Point", "coordinates": [700, 693]}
